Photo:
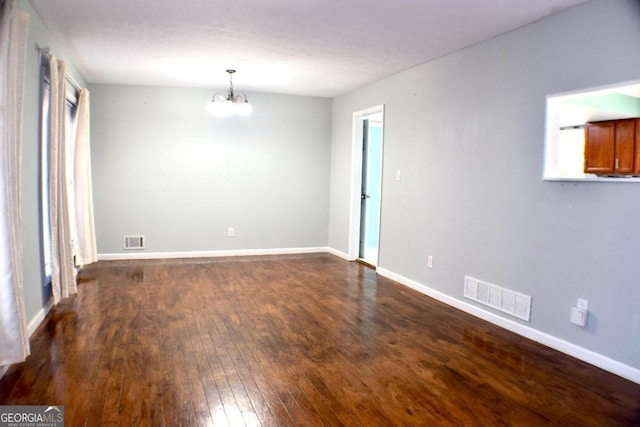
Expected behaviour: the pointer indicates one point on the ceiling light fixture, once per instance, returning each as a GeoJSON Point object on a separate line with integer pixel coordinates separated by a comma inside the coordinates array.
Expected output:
{"type": "Point", "coordinates": [232, 104]}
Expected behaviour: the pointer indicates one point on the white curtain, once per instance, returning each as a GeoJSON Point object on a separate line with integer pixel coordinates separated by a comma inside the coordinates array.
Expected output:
{"type": "Point", "coordinates": [14, 24]}
{"type": "Point", "coordinates": [85, 249]}
{"type": "Point", "coordinates": [63, 279]}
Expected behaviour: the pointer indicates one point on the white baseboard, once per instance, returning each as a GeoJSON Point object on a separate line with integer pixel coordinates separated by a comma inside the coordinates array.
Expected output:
{"type": "Point", "coordinates": [581, 353]}
{"type": "Point", "coordinates": [209, 254]}
{"type": "Point", "coordinates": [39, 317]}
{"type": "Point", "coordinates": [340, 254]}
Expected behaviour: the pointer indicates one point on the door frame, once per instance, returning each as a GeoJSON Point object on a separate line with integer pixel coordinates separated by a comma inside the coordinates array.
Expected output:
{"type": "Point", "coordinates": [356, 177]}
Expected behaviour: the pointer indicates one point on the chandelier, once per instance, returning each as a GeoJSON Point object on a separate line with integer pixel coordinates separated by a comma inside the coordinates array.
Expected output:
{"type": "Point", "coordinates": [232, 104]}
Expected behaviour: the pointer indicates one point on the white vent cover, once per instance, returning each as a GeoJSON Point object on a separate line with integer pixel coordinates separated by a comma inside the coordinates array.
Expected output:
{"type": "Point", "coordinates": [133, 242]}
{"type": "Point", "coordinates": [505, 300]}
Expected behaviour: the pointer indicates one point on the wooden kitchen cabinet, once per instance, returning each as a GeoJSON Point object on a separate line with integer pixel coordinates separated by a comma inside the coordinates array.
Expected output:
{"type": "Point", "coordinates": [599, 147]}
{"type": "Point", "coordinates": [625, 147]}
{"type": "Point", "coordinates": [612, 147]}
{"type": "Point", "coordinates": [636, 168]}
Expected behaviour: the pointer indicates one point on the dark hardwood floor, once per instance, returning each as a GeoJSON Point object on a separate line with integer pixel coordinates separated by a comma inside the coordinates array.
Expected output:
{"type": "Point", "coordinates": [304, 340]}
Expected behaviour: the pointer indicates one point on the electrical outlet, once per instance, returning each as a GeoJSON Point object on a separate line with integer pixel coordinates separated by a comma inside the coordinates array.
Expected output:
{"type": "Point", "coordinates": [430, 261]}
{"type": "Point", "coordinates": [579, 316]}
{"type": "Point", "coordinates": [231, 232]}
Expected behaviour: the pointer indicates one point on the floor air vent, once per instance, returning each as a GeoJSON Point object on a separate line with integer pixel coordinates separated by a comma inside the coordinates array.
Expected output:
{"type": "Point", "coordinates": [133, 242]}
{"type": "Point", "coordinates": [505, 300]}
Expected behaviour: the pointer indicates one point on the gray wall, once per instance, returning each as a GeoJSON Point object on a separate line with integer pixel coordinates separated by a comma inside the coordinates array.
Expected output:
{"type": "Point", "coordinates": [165, 168]}
{"type": "Point", "coordinates": [467, 132]}
{"type": "Point", "coordinates": [36, 295]}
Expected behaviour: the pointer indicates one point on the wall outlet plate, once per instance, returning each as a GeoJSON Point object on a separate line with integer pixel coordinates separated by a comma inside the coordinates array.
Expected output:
{"type": "Point", "coordinates": [578, 316]}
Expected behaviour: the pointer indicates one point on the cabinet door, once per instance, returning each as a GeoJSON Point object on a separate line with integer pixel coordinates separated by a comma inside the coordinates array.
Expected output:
{"type": "Point", "coordinates": [636, 168]}
{"type": "Point", "coordinates": [625, 146]}
{"type": "Point", "coordinates": [599, 147]}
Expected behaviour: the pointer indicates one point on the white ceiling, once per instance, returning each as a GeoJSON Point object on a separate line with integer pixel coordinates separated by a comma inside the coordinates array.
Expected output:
{"type": "Point", "coordinates": [304, 47]}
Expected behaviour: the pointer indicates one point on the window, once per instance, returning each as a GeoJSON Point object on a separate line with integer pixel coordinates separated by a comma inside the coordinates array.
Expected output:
{"type": "Point", "coordinates": [566, 117]}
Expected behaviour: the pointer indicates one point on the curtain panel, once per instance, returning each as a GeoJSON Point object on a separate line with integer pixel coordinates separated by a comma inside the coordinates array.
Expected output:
{"type": "Point", "coordinates": [85, 249]}
{"type": "Point", "coordinates": [14, 25]}
{"type": "Point", "coordinates": [63, 279]}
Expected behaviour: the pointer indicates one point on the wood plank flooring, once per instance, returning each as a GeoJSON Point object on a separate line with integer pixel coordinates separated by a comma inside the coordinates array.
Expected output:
{"type": "Point", "coordinates": [299, 340]}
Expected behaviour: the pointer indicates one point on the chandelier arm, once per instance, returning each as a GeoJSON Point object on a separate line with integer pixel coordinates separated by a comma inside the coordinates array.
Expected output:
{"type": "Point", "coordinates": [242, 96]}
{"type": "Point", "coordinates": [218, 97]}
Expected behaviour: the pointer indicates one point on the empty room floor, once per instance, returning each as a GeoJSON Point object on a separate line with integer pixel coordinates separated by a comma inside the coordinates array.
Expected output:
{"type": "Point", "coordinates": [294, 340]}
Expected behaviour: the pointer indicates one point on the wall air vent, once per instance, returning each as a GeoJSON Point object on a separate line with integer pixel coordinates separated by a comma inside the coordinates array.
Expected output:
{"type": "Point", "coordinates": [505, 300]}
{"type": "Point", "coordinates": [133, 242]}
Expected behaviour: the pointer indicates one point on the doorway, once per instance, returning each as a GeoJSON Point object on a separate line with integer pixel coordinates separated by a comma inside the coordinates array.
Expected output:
{"type": "Point", "coordinates": [368, 126]}
{"type": "Point", "coordinates": [371, 189]}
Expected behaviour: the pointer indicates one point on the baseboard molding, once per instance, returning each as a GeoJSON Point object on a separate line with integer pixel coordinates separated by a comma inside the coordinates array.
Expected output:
{"type": "Point", "coordinates": [39, 317]}
{"type": "Point", "coordinates": [581, 353]}
{"type": "Point", "coordinates": [210, 254]}
{"type": "Point", "coordinates": [343, 255]}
